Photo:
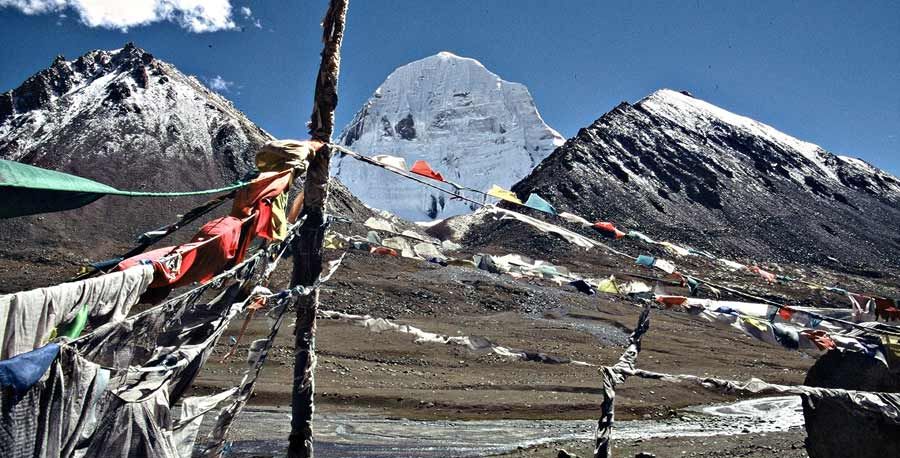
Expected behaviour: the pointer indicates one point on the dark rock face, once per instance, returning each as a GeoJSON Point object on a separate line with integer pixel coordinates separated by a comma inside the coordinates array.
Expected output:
{"type": "Point", "coordinates": [406, 128]}
{"type": "Point", "coordinates": [833, 431]}
{"type": "Point", "coordinates": [131, 121]}
{"type": "Point", "coordinates": [680, 169]}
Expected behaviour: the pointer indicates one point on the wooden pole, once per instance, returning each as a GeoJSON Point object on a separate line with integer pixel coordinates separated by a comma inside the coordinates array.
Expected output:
{"type": "Point", "coordinates": [307, 248]}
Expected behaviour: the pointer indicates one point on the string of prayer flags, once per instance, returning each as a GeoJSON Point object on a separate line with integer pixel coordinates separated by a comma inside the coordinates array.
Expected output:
{"type": "Point", "coordinates": [503, 194]}
{"type": "Point", "coordinates": [422, 168]}
{"type": "Point", "coordinates": [29, 190]}
{"type": "Point", "coordinates": [390, 161]}
{"type": "Point", "coordinates": [645, 260]}
{"type": "Point", "coordinates": [608, 230]}
{"type": "Point", "coordinates": [538, 203]}
{"type": "Point", "coordinates": [575, 219]}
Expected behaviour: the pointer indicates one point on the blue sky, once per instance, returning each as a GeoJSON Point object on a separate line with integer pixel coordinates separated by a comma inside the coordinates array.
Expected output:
{"type": "Point", "coordinates": [826, 72]}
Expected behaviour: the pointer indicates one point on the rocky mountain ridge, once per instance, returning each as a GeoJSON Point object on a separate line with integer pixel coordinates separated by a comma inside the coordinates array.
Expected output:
{"type": "Point", "coordinates": [679, 168]}
{"type": "Point", "coordinates": [130, 120]}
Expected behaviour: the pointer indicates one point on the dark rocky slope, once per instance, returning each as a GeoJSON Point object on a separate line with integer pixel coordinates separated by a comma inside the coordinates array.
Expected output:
{"type": "Point", "coordinates": [680, 169]}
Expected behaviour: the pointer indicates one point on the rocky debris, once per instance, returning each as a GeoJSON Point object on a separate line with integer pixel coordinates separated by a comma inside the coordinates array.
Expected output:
{"type": "Point", "coordinates": [832, 431]}
{"type": "Point", "coordinates": [680, 169]}
{"type": "Point", "coordinates": [451, 111]}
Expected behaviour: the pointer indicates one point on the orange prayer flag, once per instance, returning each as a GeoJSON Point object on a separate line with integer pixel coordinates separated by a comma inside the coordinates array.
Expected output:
{"type": "Point", "coordinates": [422, 168]}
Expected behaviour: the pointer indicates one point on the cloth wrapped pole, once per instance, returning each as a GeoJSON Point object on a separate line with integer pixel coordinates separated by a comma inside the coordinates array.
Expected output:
{"type": "Point", "coordinates": [613, 376]}
{"type": "Point", "coordinates": [29, 190]}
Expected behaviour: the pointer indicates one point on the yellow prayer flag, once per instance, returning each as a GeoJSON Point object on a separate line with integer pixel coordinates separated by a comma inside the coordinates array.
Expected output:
{"type": "Point", "coordinates": [755, 323]}
{"type": "Point", "coordinates": [333, 242]}
{"type": "Point", "coordinates": [500, 193]}
{"type": "Point", "coordinates": [608, 285]}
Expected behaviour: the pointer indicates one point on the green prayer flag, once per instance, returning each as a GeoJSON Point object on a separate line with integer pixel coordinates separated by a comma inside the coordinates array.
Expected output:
{"type": "Point", "coordinates": [29, 190]}
{"type": "Point", "coordinates": [73, 328]}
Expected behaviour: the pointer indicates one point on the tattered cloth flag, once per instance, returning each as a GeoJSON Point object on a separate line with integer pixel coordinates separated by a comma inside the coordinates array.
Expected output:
{"type": "Point", "coordinates": [536, 202]}
{"type": "Point", "coordinates": [29, 190]}
{"type": "Point", "coordinates": [500, 193]}
{"type": "Point", "coordinates": [422, 168]}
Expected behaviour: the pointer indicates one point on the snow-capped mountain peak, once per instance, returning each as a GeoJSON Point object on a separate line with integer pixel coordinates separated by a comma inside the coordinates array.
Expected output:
{"type": "Point", "coordinates": [453, 112]}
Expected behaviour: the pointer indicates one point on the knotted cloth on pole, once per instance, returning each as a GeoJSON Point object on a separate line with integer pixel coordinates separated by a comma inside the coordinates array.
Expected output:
{"type": "Point", "coordinates": [29, 190]}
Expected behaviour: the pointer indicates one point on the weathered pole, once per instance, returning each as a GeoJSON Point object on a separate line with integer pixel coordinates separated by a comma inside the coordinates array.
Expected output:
{"type": "Point", "coordinates": [307, 248]}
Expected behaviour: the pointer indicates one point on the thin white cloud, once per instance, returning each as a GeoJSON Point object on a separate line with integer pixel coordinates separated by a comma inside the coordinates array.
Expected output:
{"type": "Point", "coordinates": [193, 15]}
{"type": "Point", "coordinates": [219, 84]}
{"type": "Point", "coordinates": [246, 11]}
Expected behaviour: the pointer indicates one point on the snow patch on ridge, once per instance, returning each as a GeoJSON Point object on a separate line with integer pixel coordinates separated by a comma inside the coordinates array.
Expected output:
{"type": "Point", "coordinates": [691, 112]}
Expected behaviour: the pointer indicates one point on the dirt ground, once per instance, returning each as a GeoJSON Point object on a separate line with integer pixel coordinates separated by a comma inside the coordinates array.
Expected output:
{"type": "Point", "coordinates": [390, 374]}
{"type": "Point", "coordinates": [788, 444]}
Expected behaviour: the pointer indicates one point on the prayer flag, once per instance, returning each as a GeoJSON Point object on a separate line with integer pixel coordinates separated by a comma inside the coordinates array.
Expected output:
{"type": "Point", "coordinates": [574, 219]}
{"type": "Point", "coordinates": [608, 285]}
{"type": "Point", "coordinates": [422, 168]}
{"type": "Point", "coordinates": [671, 300]}
{"type": "Point", "coordinates": [664, 266]}
{"type": "Point", "coordinates": [391, 161]}
{"type": "Point", "coordinates": [786, 313]}
{"type": "Point", "coordinates": [645, 260]}
{"type": "Point", "coordinates": [500, 193]}
{"type": "Point", "coordinates": [640, 236]}
{"type": "Point", "coordinates": [608, 230]}
{"type": "Point", "coordinates": [536, 202]}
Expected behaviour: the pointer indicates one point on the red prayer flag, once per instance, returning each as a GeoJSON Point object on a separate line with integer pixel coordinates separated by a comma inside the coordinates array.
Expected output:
{"type": "Point", "coordinates": [786, 313]}
{"type": "Point", "coordinates": [609, 230]}
{"type": "Point", "coordinates": [422, 168]}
